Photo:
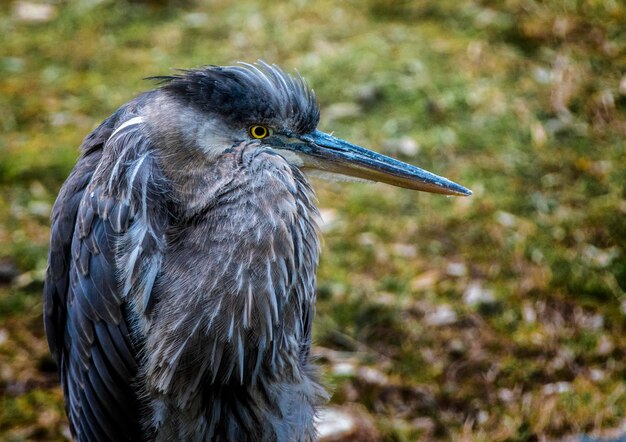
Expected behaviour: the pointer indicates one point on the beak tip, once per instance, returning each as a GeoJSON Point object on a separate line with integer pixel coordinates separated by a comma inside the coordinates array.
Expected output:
{"type": "Point", "coordinates": [456, 189]}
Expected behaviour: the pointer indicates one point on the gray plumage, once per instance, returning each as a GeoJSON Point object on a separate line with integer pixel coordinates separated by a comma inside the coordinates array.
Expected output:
{"type": "Point", "coordinates": [180, 291]}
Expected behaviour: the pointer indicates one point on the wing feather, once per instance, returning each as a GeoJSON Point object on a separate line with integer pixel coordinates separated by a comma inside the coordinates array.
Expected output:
{"type": "Point", "coordinates": [113, 354]}
{"type": "Point", "coordinates": [109, 382]}
{"type": "Point", "coordinates": [104, 398]}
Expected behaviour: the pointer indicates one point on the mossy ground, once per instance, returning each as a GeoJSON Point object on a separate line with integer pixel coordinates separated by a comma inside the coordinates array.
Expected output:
{"type": "Point", "coordinates": [496, 317]}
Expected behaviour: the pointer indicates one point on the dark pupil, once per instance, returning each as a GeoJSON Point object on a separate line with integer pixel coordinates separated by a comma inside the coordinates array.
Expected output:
{"type": "Point", "coordinates": [259, 131]}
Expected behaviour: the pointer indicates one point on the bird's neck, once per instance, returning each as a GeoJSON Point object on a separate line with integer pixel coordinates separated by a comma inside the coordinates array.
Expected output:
{"type": "Point", "coordinates": [229, 342]}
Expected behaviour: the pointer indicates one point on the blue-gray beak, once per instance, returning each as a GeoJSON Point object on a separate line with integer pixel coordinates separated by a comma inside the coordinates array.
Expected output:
{"type": "Point", "coordinates": [321, 151]}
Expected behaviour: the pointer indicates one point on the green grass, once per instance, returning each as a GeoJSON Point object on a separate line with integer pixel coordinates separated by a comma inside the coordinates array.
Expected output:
{"type": "Point", "coordinates": [525, 104]}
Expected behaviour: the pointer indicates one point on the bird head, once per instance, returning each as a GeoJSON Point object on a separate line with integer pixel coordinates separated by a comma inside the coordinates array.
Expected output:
{"type": "Point", "coordinates": [216, 107]}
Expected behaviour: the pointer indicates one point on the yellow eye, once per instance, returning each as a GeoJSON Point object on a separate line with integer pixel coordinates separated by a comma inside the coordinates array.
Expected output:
{"type": "Point", "coordinates": [260, 132]}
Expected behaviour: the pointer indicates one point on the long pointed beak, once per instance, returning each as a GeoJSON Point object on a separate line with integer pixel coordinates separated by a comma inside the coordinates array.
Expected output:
{"type": "Point", "coordinates": [325, 152]}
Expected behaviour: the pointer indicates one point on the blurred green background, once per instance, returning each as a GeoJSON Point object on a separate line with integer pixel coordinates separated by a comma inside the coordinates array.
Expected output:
{"type": "Point", "coordinates": [495, 317]}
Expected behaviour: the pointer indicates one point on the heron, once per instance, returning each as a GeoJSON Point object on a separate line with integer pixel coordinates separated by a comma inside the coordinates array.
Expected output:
{"type": "Point", "coordinates": [180, 290]}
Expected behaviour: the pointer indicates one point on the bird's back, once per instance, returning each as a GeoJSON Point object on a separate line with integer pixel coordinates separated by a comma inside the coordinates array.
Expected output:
{"type": "Point", "coordinates": [85, 315]}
